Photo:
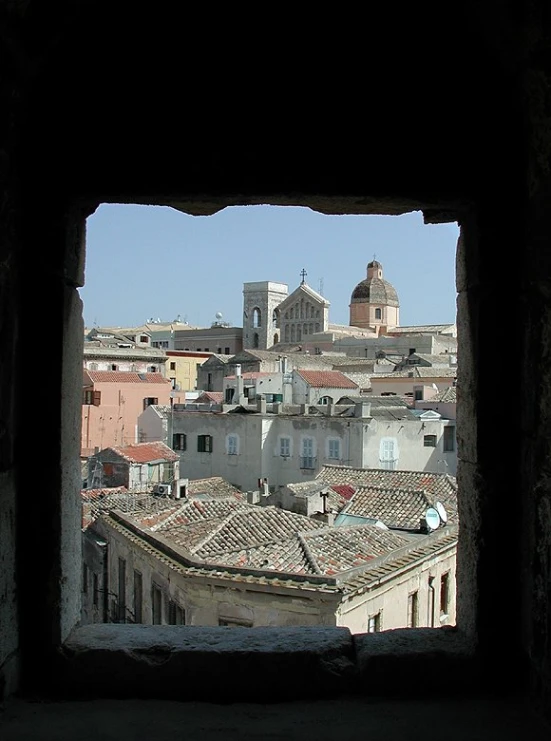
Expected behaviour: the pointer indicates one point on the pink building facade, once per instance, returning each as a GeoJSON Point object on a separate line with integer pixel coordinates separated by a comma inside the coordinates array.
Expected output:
{"type": "Point", "coordinates": [111, 404]}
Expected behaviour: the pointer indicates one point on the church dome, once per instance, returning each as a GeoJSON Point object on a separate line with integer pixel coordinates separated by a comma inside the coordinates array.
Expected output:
{"type": "Point", "coordinates": [374, 289]}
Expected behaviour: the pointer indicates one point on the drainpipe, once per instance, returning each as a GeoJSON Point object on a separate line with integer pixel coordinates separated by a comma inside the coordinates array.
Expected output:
{"type": "Point", "coordinates": [105, 585]}
{"type": "Point", "coordinates": [432, 601]}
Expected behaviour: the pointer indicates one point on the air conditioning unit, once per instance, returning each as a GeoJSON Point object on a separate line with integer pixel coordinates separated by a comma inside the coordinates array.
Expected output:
{"type": "Point", "coordinates": [162, 490]}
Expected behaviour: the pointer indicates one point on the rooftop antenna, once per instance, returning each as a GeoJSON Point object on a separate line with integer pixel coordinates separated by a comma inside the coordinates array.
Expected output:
{"type": "Point", "coordinates": [432, 518]}
{"type": "Point", "coordinates": [321, 287]}
{"type": "Point", "coordinates": [439, 507]}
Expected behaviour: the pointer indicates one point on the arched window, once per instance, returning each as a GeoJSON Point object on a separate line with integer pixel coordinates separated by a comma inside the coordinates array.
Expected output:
{"type": "Point", "coordinates": [256, 340]}
{"type": "Point", "coordinates": [275, 318]}
{"type": "Point", "coordinates": [286, 334]}
{"type": "Point", "coordinates": [378, 314]}
{"type": "Point", "coordinates": [292, 332]}
{"type": "Point", "coordinates": [317, 327]}
{"type": "Point", "coordinates": [299, 332]}
{"type": "Point", "coordinates": [276, 338]}
{"type": "Point", "coordinates": [257, 317]}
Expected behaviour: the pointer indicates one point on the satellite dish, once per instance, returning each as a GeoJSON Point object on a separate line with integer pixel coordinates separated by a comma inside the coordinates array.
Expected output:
{"type": "Point", "coordinates": [442, 512]}
{"type": "Point", "coordinates": [432, 518]}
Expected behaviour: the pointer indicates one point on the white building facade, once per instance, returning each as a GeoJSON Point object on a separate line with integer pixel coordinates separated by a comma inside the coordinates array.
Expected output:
{"type": "Point", "coordinates": [285, 448]}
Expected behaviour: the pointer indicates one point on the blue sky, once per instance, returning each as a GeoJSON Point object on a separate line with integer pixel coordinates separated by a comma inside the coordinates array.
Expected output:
{"type": "Point", "coordinates": [152, 261]}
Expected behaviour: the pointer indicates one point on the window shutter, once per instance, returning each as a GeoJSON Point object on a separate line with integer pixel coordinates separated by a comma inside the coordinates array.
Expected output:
{"type": "Point", "coordinates": [97, 398]}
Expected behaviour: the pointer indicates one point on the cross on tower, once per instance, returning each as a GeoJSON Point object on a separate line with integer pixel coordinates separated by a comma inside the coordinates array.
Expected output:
{"type": "Point", "coordinates": [303, 275]}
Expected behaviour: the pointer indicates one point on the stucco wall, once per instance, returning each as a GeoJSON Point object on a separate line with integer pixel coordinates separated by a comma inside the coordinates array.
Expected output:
{"type": "Point", "coordinates": [391, 598]}
{"type": "Point", "coordinates": [207, 600]}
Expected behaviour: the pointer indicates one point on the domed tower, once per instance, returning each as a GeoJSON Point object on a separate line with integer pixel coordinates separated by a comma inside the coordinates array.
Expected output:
{"type": "Point", "coordinates": [374, 302]}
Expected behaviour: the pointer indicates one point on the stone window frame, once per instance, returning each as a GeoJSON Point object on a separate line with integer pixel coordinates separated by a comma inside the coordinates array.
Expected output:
{"type": "Point", "coordinates": [59, 607]}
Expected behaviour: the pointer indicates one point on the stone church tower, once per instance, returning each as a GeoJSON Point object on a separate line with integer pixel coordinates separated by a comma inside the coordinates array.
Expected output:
{"type": "Point", "coordinates": [374, 303]}
{"type": "Point", "coordinates": [261, 315]}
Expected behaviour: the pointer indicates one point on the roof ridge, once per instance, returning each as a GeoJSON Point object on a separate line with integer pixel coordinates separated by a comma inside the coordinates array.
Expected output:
{"type": "Point", "coordinates": [308, 553]}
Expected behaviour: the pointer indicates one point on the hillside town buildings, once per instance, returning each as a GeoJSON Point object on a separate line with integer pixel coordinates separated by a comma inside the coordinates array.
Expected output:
{"type": "Point", "coordinates": [275, 474]}
{"type": "Point", "coordinates": [210, 558]}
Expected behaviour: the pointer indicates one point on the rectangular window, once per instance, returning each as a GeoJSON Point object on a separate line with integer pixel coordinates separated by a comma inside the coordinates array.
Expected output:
{"type": "Point", "coordinates": [226, 351]}
{"type": "Point", "coordinates": [92, 398]}
{"type": "Point", "coordinates": [334, 449]}
{"type": "Point", "coordinates": [149, 401]}
{"type": "Point", "coordinates": [449, 439]}
{"type": "Point", "coordinates": [144, 338]}
{"type": "Point", "coordinates": [85, 578]}
{"type": "Point", "coordinates": [138, 597]}
{"type": "Point", "coordinates": [206, 349]}
{"type": "Point", "coordinates": [418, 394]}
{"type": "Point", "coordinates": [173, 366]}
{"type": "Point", "coordinates": [204, 443]}
{"type": "Point", "coordinates": [179, 441]}
{"type": "Point", "coordinates": [95, 590]}
{"type": "Point", "coordinates": [429, 441]}
{"type": "Point", "coordinates": [113, 367]}
{"type": "Point", "coordinates": [413, 610]}
{"type": "Point", "coordinates": [156, 605]}
{"type": "Point", "coordinates": [219, 350]}
{"type": "Point", "coordinates": [122, 591]}
{"type": "Point", "coordinates": [232, 445]}
{"type": "Point", "coordinates": [285, 447]}
{"type": "Point", "coordinates": [444, 594]}
{"type": "Point", "coordinates": [374, 623]}
{"type": "Point", "coordinates": [308, 460]}
{"type": "Point", "coordinates": [176, 616]}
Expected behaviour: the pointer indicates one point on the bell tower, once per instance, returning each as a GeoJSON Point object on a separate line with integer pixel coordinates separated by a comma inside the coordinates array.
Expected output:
{"type": "Point", "coordinates": [260, 314]}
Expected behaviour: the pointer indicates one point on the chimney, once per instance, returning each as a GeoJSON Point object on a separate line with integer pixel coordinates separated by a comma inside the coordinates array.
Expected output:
{"type": "Point", "coordinates": [261, 405]}
{"type": "Point", "coordinates": [362, 409]}
{"type": "Point", "coordinates": [331, 410]}
{"type": "Point", "coordinates": [239, 390]}
{"type": "Point", "coordinates": [304, 408]}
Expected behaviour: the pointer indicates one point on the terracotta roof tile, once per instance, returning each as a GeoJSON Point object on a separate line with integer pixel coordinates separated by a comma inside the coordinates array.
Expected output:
{"type": "Point", "coordinates": [395, 507]}
{"type": "Point", "coordinates": [214, 397]}
{"type": "Point", "coordinates": [327, 379]}
{"type": "Point", "coordinates": [124, 377]}
{"type": "Point", "coordinates": [146, 452]}
{"type": "Point", "coordinates": [439, 486]}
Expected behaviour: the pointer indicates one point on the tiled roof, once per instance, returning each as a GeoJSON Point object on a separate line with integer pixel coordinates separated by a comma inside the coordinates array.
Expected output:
{"type": "Point", "coordinates": [327, 379]}
{"type": "Point", "coordinates": [344, 490]}
{"type": "Point", "coordinates": [395, 507]}
{"type": "Point", "coordinates": [213, 487]}
{"type": "Point", "coordinates": [92, 494]}
{"type": "Point", "coordinates": [146, 452]}
{"type": "Point", "coordinates": [281, 555]}
{"type": "Point", "coordinates": [124, 377]}
{"type": "Point", "coordinates": [363, 380]}
{"type": "Point", "coordinates": [341, 548]}
{"type": "Point", "coordinates": [214, 397]}
{"type": "Point", "coordinates": [419, 371]}
{"type": "Point", "coordinates": [439, 486]}
{"type": "Point", "coordinates": [447, 396]}
{"type": "Point", "coordinates": [149, 509]}
{"type": "Point", "coordinates": [272, 553]}
{"type": "Point", "coordinates": [252, 527]}
{"type": "Point", "coordinates": [422, 328]}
